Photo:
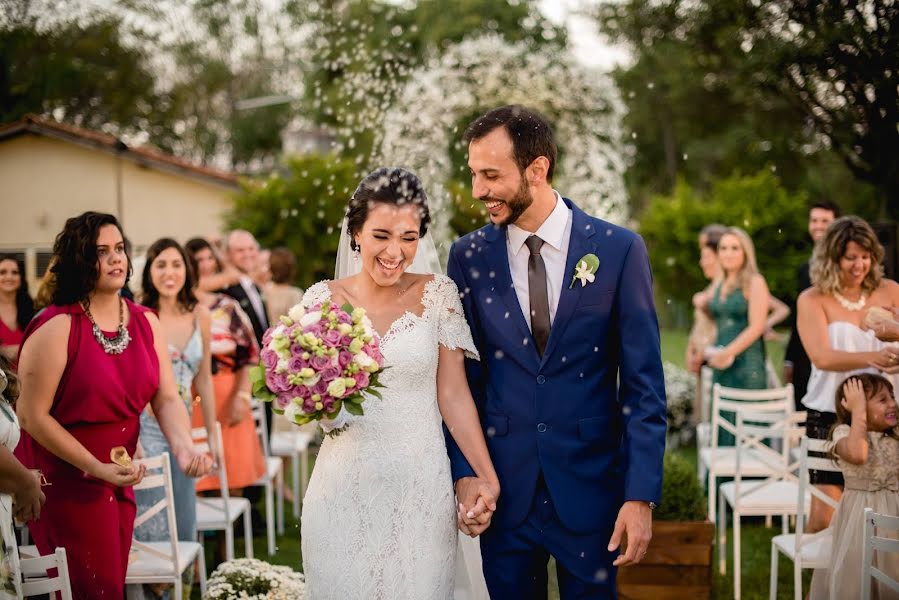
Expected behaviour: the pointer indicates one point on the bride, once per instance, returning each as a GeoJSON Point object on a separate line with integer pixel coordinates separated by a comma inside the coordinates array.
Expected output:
{"type": "Point", "coordinates": [379, 517]}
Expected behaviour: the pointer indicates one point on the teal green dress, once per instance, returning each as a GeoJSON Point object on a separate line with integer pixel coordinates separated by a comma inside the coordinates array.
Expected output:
{"type": "Point", "coordinates": [731, 316]}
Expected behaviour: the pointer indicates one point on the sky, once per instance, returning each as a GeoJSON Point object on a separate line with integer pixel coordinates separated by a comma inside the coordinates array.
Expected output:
{"type": "Point", "coordinates": [585, 42]}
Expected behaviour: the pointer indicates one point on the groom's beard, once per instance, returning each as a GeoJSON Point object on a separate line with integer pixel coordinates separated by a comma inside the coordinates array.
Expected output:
{"type": "Point", "coordinates": [517, 204]}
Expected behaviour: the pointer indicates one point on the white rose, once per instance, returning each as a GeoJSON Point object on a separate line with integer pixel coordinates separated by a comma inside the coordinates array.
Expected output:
{"type": "Point", "coordinates": [291, 411]}
{"type": "Point", "coordinates": [281, 367]}
{"type": "Point", "coordinates": [337, 388]}
{"type": "Point", "coordinates": [296, 312]}
{"type": "Point", "coordinates": [310, 319]}
{"type": "Point", "coordinates": [362, 359]}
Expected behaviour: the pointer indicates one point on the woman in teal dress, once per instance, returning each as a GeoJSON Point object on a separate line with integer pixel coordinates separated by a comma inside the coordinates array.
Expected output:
{"type": "Point", "coordinates": [739, 306]}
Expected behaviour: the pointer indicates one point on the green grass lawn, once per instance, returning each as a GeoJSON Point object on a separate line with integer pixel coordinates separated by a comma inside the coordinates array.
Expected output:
{"type": "Point", "coordinates": [756, 544]}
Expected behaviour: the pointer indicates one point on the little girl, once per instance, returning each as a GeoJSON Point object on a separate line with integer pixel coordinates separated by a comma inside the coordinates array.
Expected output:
{"type": "Point", "coordinates": [866, 446]}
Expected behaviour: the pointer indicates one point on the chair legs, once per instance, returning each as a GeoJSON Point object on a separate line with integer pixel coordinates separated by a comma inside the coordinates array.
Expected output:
{"type": "Point", "coordinates": [737, 557]}
{"type": "Point", "coordinates": [775, 559]}
{"type": "Point", "coordinates": [201, 559]}
{"type": "Point", "coordinates": [229, 543]}
{"type": "Point", "coordinates": [178, 592]}
{"type": "Point", "coordinates": [247, 534]}
{"type": "Point", "coordinates": [797, 576]}
{"type": "Point", "coordinates": [279, 485]}
{"type": "Point", "coordinates": [270, 517]}
{"type": "Point", "coordinates": [722, 536]}
{"type": "Point", "coordinates": [713, 492]}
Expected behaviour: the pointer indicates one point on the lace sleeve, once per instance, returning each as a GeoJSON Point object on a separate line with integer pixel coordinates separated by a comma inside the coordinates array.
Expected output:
{"type": "Point", "coordinates": [840, 431]}
{"type": "Point", "coordinates": [452, 328]}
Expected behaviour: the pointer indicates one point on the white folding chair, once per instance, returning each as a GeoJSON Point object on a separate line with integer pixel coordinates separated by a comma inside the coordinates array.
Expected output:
{"type": "Point", "coordinates": [271, 480]}
{"type": "Point", "coordinates": [294, 444]}
{"type": "Point", "coordinates": [721, 461]}
{"type": "Point", "coordinates": [35, 571]}
{"type": "Point", "coordinates": [705, 391]}
{"type": "Point", "coordinates": [806, 550]}
{"type": "Point", "coordinates": [775, 494]}
{"type": "Point", "coordinates": [220, 514]}
{"type": "Point", "coordinates": [165, 561]}
{"type": "Point", "coordinates": [875, 523]}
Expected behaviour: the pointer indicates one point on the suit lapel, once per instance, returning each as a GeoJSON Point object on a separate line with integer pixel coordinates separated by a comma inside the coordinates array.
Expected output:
{"type": "Point", "coordinates": [497, 257]}
{"type": "Point", "coordinates": [579, 244]}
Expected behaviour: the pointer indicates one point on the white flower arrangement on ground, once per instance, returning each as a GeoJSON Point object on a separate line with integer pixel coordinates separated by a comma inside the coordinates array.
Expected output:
{"type": "Point", "coordinates": [680, 388]}
{"type": "Point", "coordinates": [252, 579]}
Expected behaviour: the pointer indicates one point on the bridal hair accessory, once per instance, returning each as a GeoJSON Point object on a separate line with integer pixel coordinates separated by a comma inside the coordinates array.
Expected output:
{"type": "Point", "coordinates": [318, 361]}
{"type": "Point", "coordinates": [851, 306]}
{"type": "Point", "coordinates": [585, 270]}
{"type": "Point", "coordinates": [113, 345]}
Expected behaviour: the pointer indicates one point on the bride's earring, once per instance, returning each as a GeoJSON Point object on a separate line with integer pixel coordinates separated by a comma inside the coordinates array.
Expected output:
{"type": "Point", "coordinates": [356, 253]}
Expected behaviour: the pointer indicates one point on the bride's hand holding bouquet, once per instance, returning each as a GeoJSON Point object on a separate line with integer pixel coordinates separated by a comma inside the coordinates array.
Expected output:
{"type": "Point", "coordinates": [317, 362]}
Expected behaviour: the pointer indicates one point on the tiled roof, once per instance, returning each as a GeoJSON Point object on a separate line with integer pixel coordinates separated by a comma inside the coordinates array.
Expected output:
{"type": "Point", "coordinates": [142, 155]}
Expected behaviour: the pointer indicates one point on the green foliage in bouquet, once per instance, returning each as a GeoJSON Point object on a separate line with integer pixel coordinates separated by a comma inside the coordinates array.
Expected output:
{"type": "Point", "coordinates": [682, 497]}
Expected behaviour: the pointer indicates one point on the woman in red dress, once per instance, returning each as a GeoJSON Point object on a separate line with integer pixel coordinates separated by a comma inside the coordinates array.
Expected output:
{"type": "Point", "coordinates": [89, 364]}
{"type": "Point", "coordinates": [16, 305]}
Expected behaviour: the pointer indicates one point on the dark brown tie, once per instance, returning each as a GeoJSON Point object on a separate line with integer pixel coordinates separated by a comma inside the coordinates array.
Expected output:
{"type": "Point", "coordinates": [538, 294]}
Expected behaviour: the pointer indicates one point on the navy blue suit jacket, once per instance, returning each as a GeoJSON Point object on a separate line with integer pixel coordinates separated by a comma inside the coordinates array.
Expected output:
{"type": "Point", "coordinates": [590, 413]}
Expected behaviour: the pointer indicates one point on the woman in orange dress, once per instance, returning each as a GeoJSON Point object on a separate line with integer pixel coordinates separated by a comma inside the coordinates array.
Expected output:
{"type": "Point", "coordinates": [234, 351]}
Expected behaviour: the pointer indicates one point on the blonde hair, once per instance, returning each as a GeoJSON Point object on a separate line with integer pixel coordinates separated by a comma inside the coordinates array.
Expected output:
{"type": "Point", "coordinates": [47, 286]}
{"type": "Point", "coordinates": [748, 270]}
{"type": "Point", "coordinates": [829, 251]}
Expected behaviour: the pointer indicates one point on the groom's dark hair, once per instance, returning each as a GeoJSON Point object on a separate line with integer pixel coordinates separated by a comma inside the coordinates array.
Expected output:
{"type": "Point", "coordinates": [531, 134]}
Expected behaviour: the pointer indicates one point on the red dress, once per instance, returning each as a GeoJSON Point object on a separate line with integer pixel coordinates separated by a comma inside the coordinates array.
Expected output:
{"type": "Point", "coordinates": [9, 337]}
{"type": "Point", "coordinates": [99, 401]}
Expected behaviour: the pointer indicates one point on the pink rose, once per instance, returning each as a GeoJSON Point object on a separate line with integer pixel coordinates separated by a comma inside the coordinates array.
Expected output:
{"type": "Point", "coordinates": [343, 317]}
{"type": "Point", "coordinates": [344, 358]}
{"type": "Point", "coordinates": [328, 401]}
{"type": "Point", "coordinates": [361, 379]}
{"type": "Point", "coordinates": [330, 374]}
{"type": "Point", "coordinates": [308, 406]}
{"type": "Point", "coordinates": [319, 363]}
{"type": "Point", "coordinates": [283, 400]}
{"type": "Point", "coordinates": [277, 382]}
{"type": "Point", "coordinates": [320, 388]}
{"type": "Point", "coordinates": [346, 340]}
{"type": "Point", "coordinates": [269, 358]}
{"type": "Point", "coordinates": [332, 338]}
{"type": "Point", "coordinates": [296, 363]}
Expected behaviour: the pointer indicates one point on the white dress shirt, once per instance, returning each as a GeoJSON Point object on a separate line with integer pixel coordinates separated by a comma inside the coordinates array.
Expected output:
{"type": "Point", "coordinates": [255, 299]}
{"type": "Point", "coordinates": [555, 233]}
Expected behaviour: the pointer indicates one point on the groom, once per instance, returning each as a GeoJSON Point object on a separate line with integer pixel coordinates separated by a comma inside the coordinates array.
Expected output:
{"type": "Point", "coordinates": [569, 387]}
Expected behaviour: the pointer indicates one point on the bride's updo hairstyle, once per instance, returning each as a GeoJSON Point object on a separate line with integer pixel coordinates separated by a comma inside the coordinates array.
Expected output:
{"type": "Point", "coordinates": [386, 186]}
{"type": "Point", "coordinates": [829, 251]}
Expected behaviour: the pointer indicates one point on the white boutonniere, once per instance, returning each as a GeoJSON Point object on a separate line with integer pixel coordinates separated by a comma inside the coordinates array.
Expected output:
{"type": "Point", "coordinates": [585, 270]}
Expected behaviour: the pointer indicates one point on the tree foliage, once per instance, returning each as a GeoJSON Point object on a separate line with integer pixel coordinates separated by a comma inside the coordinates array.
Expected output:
{"type": "Point", "coordinates": [302, 209]}
{"type": "Point", "coordinates": [710, 92]}
{"type": "Point", "coordinates": [774, 218]}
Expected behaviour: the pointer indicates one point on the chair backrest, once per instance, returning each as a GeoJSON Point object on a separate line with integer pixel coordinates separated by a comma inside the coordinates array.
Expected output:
{"type": "Point", "coordinates": [874, 524]}
{"type": "Point", "coordinates": [807, 446]}
{"type": "Point", "coordinates": [258, 410]}
{"type": "Point", "coordinates": [201, 443]}
{"type": "Point", "coordinates": [47, 585]}
{"type": "Point", "coordinates": [763, 434]}
{"type": "Point", "coordinates": [737, 400]}
{"type": "Point", "coordinates": [159, 475]}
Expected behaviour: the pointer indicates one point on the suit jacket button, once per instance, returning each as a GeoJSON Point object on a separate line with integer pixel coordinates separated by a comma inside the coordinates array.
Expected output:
{"type": "Point", "coordinates": [541, 379]}
{"type": "Point", "coordinates": [541, 427]}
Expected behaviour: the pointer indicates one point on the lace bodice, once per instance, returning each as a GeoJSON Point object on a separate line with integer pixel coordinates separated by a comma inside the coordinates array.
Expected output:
{"type": "Point", "coordinates": [379, 516]}
{"type": "Point", "coordinates": [880, 470]}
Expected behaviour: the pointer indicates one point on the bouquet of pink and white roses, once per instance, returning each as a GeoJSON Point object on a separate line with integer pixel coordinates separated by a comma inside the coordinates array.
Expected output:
{"type": "Point", "coordinates": [317, 361]}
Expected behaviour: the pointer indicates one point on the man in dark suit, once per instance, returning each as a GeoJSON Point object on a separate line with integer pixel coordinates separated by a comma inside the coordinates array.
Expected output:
{"type": "Point", "coordinates": [797, 367]}
{"type": "Point", "coordinates": [570, 387]}
{"type": "Point", "coordinates": [242, 251]}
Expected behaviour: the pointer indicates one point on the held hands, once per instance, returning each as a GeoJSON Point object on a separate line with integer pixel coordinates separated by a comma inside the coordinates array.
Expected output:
{"type": "Point", "coordinates": [477, 503]}
{"type": "Point", "coordinates": [635, 521]}
{"type": "Point", "coordinates": [854, 399]}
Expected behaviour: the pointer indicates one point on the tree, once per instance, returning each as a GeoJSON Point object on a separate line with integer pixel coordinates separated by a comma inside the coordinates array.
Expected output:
{"type": "Point", "coordinates": [699, 107]}
{"type": "Point", "coordinates": [301, 209]}
{"type": "Point", "coordinates": [672, 223]}
{"type": "Point", "coordinates": [85, 73]}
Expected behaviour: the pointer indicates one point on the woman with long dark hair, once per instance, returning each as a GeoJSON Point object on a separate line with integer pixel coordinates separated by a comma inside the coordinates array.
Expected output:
{"type": "Point", "coordinates": [167, 287]}
{"type": "Point", "coordinates": [16, 305]}
{"type": "Point", "coordinates": [89, 365]}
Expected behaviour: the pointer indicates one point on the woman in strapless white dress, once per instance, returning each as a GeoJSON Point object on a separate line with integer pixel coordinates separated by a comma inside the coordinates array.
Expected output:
{"type": "Point", "coordinates": [847, 279]}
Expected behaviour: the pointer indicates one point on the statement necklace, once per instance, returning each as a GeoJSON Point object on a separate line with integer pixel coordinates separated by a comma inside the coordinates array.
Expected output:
{"type": "Point", "coordinates": [851, 306]}
{"type": "Point", "coordinates": [113, 345]}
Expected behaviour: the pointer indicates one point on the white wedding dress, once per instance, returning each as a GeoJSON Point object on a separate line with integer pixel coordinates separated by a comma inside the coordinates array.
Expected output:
{"type": "Point", "coordinates": [379, 517]}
